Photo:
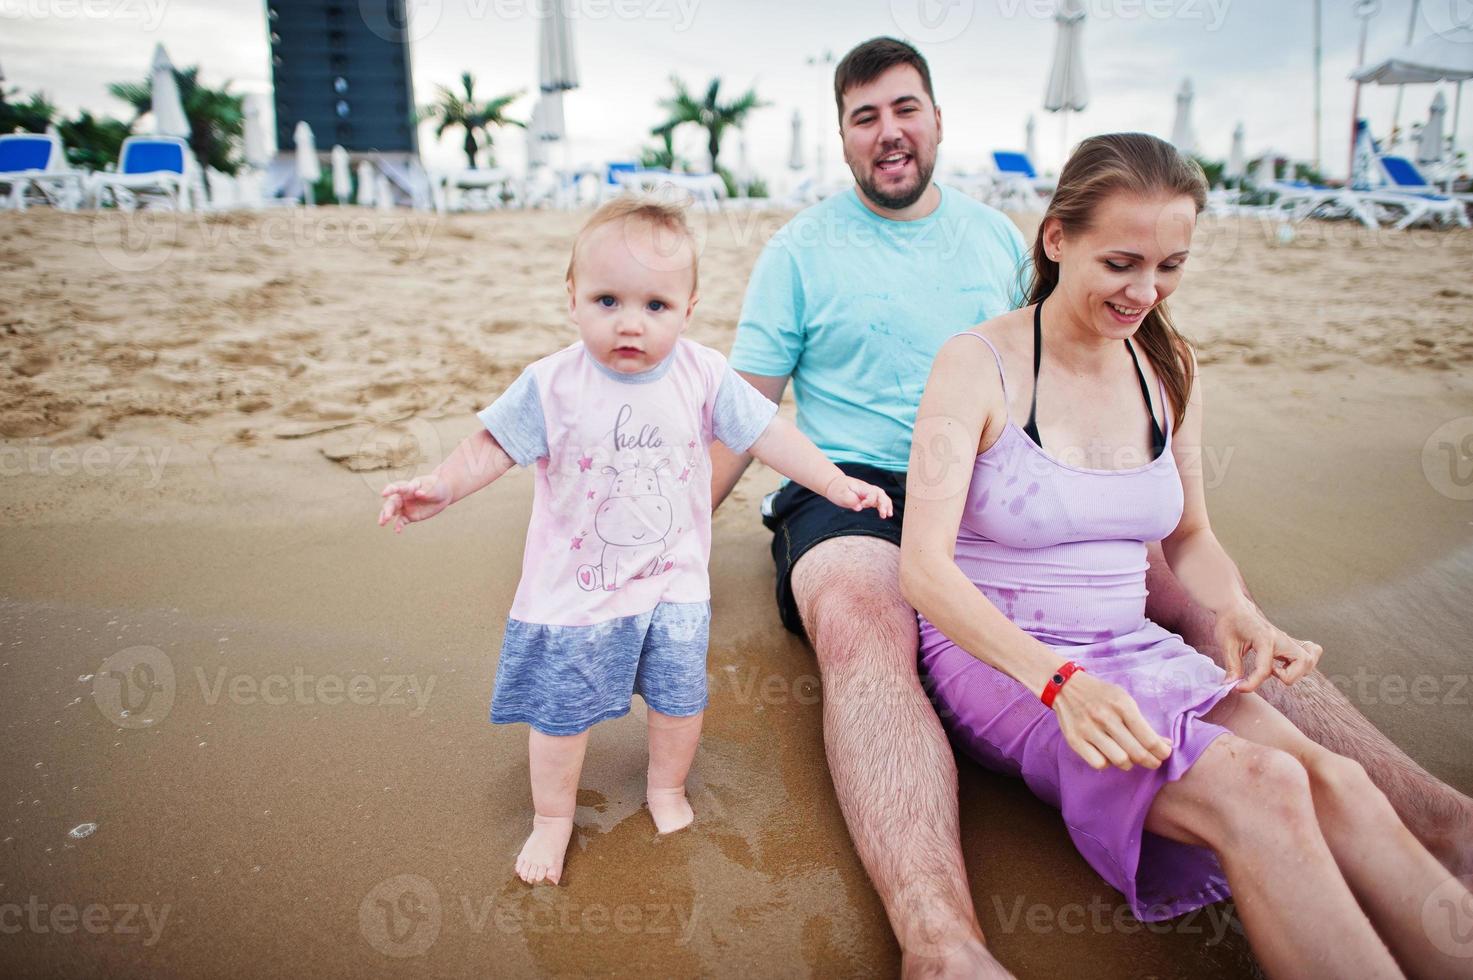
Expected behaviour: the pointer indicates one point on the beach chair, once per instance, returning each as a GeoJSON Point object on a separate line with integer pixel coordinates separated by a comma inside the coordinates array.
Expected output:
{"type": "Point", "coordinates": [153, 166]}
{"type": "Point", "coordinates": [1298, 200]}
{"type": "Point", "coordinates": [1016, 183]}
{"type": "Point", "coordinates": [477, 190]}
{"type": "Point", "coordinates": [33, 167]}
{"type": "Point", "coordinates": [1412, 199]}
{"type": "Point", "coordinates": [707, 190]}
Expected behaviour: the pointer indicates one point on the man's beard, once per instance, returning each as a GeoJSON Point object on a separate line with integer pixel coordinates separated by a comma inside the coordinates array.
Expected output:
{"type": "Point", "coordinates": [899, 202]}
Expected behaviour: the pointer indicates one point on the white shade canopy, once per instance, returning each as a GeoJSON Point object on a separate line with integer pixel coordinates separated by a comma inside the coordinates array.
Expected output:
{"type": "Point", "coordinates": [795, 155]}
{"type": "Point", "coordinates": [309, 168]}
{"type": "Point", "coordinates": [257, 136]}
{"type": "Point", "coordinates": [1236, 162]}
{"type": "Point", "coordinates": [167, 108]}
{"type": "Point", "coordinates": [1429, 144]}
{"type": "Point", "coordinates": [557, 68]}
{"type": "Point", "coordinates": [1182, 135]}
{"type": "Point", "coordinates": [548, 124]}
{"type": "Point", "coordinates": [342, 175]}
{"type": "Point", "coordinates": [1446, 56]}
{"type": "Point", "coordinates": [1066, 88]}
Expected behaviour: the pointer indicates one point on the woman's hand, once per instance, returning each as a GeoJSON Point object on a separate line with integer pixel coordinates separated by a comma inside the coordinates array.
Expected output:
{"type": "Point", "coordinates": [419, 499]}
{"type": "Point", "coordinates": [1243, 630]}
{"type": "Point", "coordinates": [1102, 723]}
{"type": "Point", "coordinates": [851, 494]}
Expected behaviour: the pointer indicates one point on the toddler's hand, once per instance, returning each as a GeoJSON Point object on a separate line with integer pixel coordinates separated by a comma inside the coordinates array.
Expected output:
{"type": "Point", "coordinates": [407, 501]}
{"type": "Point", "coordinates": [852, 494]}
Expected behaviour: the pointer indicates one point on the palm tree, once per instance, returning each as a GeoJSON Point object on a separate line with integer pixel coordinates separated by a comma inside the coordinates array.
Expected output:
{"type": "Point", "coordinates": [216, 119]}
{"type": "Point", "coordinates": [31, 116]}
{"type": "Point", "coordinates": [709, 113]}
{"type": "Point", "coordinates": [662, 157]}
{"type": "Point", "coordinates": [474, 117]}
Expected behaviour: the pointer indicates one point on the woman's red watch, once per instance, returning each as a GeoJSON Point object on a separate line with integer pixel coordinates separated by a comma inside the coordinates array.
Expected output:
{"type": "Point", "coordinates": [1056, 682]}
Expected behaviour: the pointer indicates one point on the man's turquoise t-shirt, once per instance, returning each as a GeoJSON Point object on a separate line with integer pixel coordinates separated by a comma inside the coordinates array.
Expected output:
{"type": "Point", "coordinates": [855, 307]}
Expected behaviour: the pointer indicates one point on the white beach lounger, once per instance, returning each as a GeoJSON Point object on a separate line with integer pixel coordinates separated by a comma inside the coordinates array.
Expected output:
{"type": "Point", "coordinates": [33, 167]}
{"type": "Point", "coordinates": [155, 166]}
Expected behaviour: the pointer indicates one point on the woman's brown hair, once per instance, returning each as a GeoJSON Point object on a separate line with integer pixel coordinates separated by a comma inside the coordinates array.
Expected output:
{"type": "Point", "coordinates": [1142, 165]}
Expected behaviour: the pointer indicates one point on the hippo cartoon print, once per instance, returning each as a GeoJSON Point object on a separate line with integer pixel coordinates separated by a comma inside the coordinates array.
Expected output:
{"type": "Point", "coordinates": [632, 523]}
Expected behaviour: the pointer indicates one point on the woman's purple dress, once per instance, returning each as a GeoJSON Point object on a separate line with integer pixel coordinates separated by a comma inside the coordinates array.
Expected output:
{"type": "Point", "coordinates": [1062, 552]}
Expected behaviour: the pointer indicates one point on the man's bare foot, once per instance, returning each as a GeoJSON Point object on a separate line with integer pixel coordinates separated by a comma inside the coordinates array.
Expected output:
{"type": "Point", "coordinates": [670, 809]}
{"type": "Point", "coordinates": [970, 958]}
{"type": "Point", "coordinates": [542, 856]}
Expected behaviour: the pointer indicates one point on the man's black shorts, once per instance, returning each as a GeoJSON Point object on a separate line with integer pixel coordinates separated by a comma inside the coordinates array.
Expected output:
{"type": "Point", "coordinates": [800, 519]}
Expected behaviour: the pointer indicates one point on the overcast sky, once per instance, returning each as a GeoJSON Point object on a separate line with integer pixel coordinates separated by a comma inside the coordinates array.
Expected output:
{"type": "Point", "coordinates": [1249, 61]}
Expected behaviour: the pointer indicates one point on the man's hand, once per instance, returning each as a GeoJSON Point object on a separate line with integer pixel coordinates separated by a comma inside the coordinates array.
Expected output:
{"type": "Point", "coordinates": [851, 494]}
{"type": "Point", "coordinates": [408, 501]}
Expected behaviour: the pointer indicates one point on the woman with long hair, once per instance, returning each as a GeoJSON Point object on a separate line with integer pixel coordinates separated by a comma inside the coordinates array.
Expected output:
{"type": "Point", "coordinates": [1052, 444]}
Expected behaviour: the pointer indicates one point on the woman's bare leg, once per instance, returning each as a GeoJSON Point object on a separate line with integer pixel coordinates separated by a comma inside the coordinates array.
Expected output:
{"type": "Point", "coordinates": [556, 762]}
{"type": "Point", "coordinates": [1391, 873]}
{"type": "Point", "coordinates": [1252, 805]}
{"type": "Point", "coordinates": [1439, 816]}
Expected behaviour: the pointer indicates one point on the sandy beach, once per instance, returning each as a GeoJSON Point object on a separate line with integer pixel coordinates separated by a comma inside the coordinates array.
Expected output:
{"type": "Point", "coordinates": [247, 727]}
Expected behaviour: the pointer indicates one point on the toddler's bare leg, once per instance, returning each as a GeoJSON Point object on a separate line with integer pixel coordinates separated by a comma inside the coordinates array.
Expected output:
{"type": "Point", "coordinates": [556, 761]}
{"type": "Point", "coordinates": [672, 749]}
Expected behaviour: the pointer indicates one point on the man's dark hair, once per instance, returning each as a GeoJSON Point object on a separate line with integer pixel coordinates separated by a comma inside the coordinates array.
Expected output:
{"type": "Point", "coordinates": [872, 59]}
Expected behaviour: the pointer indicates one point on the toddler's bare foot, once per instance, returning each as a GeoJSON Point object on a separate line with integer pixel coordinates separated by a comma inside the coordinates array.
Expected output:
{"type": "Point", "coordinates": [542, 856]}
{"type": "Point", "coordinates": [670, 809]}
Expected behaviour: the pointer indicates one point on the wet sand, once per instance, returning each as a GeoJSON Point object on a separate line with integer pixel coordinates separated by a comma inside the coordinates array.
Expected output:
{"type": "Point", "coordinates": [305, 780]}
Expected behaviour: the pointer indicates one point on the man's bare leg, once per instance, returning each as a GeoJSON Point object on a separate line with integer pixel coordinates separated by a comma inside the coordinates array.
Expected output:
{"type": "Point", "coordinates": [893, 769]}
{"type": "Point", "coordinates": [1438, 815]}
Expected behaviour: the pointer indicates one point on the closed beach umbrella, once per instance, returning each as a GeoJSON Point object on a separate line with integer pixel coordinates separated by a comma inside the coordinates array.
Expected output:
{"type": "Point", "coordinates": [1029, 146]}
{"type": "Point", "coordinates": [309, 168]}
{"type": "Point", "coordinates": [1429, 144]}
{"type": "Point", "coordinates": [1066, 91]}
{"type": "Point", "coordinates": [384, 194]}
{"type": "Point", "coordinates": [257, 140]}
{"type": "Point", "coordinates": [1182, 136]}
{"type": "Point", "coordinates": [1235, 162]}
{"type": "Point", "coordinates": [366, 184]}
{"type": "Point", "coordinates": [557, 68]}
{"type": "Point", "coordinates": [167, 109]}
{"type": "Point", "coordinates": [342, 175]}
{"type": "Point", "coordinates": [795, 155]}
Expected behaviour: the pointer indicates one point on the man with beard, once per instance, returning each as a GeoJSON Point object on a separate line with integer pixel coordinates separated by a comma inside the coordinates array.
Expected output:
{"type": "Point", "coordinates": [852, 299]}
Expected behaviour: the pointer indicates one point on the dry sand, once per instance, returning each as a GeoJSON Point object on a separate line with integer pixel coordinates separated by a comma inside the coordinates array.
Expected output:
{"type": "Point", "coordinates": [195, 420]}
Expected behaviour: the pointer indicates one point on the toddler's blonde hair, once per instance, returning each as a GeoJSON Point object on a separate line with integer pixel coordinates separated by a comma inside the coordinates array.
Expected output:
{"type": "Point", "coordinates": [660, 215]}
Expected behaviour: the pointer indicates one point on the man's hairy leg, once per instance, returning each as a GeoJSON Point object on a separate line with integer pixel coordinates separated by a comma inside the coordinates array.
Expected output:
{"type": "Point", "coordinates": [892, 767]}
{"type": "Point", "coordinates": [1439, 816]}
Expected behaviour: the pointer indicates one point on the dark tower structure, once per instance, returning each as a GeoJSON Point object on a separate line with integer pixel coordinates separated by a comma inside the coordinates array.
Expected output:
{"type": "Point", "coordinates": [343, 66]}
